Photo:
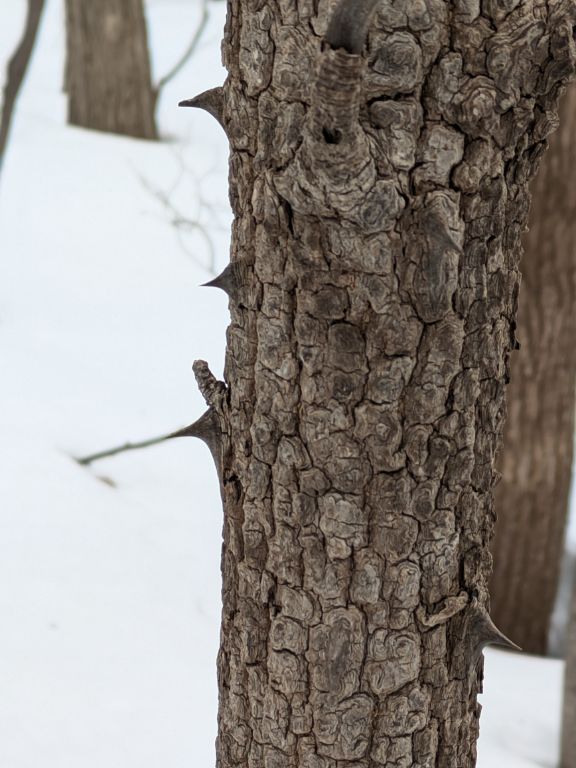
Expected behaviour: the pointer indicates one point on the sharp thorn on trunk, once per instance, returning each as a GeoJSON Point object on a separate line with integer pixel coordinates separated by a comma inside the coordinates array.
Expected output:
{"type": "Point", "coordinates": [232, 277]}
{"type": "Point", "coordinates": [211, 101]}
{"type": "Point", "coordinates": [226, 281]}
{"type": "Point", "coordinates": [206, 428]}
{"type": "Point", "coordinates": [483, 632]}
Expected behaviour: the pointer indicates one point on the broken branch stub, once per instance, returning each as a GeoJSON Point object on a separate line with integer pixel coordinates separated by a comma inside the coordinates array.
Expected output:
{"type": "Point", "coordinates": [213, 391]}
{"type": "Point", "coordinates": [333, 172]}
{"type": "Point", "coordinates": [349, 25]}
{"type": "Point", "coordinates": [208, 427]}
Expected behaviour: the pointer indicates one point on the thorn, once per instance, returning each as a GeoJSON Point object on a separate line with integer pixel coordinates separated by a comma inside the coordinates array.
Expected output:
{"type": "Point", "coordinates": [226, 281]}
{"type": "Point", "coordinates": [203, 428]}
{"type": "Point", "coordinates": [349, 25]}
{"type": "Point", "coordinates": [483, 632]}
{"type": "Point", "coordinates": [211, 101]}
{"type": "Point", "coordinates": [230, 279]}
{"type": "Point", "coordinates": [207, 429]}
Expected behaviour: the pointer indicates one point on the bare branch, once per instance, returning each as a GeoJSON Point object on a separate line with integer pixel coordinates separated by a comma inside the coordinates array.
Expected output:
{"type": "Point", "coordinates": [349, 25]}
{"type": "Point", "coordinates": [204, 429]}
{"type": "Point", "coordinates": [16, 70]}
{"type": "Point", "coordinates": [85, 460]}
{"type": "Point", "coordinates": [187, 53]}
{"type": "Point", "coordinates": [183, 223]}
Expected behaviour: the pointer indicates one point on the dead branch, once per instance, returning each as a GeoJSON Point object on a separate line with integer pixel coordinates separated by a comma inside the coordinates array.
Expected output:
{"type": "Point", "coordinates": [199, 428]}
{"type": "Point", "coordinates": [187, 53]}
{"type": "Point", "coordinates": [86, 460]}
{"type": "Point", "coordinates": [183, 223]}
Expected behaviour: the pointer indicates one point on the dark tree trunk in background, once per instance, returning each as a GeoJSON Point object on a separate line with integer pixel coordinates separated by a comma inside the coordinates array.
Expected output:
{"type": "Point", "coordinates": [568, 746]}
{"type": "Point", "coordinates": [536, 463]}
{"type": "Point", "coordinates": [16, 71]}
{"type": "Point", "coordinates": [108, 69]}
{"type": "Point", "coordinates": [379, 199]}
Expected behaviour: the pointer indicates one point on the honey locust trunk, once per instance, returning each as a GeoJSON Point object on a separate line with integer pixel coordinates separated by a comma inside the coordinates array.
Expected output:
{"type": "Point", "coordinates": [379, 198]}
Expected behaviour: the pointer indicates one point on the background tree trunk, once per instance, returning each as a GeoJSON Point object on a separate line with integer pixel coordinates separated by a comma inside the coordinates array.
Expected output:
{"type": "Point", "coordinates": [378, 202]}
{"type": "Point", "coordinates": [536, 463]}
{"type": "Point", "coordinates": [568, 746]}
{"type": "Point", "coordinates": [16, 71]}
{"type": "Point", "coordinates": [108, 68]}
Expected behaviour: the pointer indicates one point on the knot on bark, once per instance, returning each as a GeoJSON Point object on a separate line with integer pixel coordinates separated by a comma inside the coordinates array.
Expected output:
{"type": "Point", "coordinates": [333, 170]}
{"type": "Point", "coordinates": [333, 173]}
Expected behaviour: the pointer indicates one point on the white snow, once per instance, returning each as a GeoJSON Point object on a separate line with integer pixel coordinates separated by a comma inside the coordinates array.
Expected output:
{"type": "Point", "coordinates": [109, 576]}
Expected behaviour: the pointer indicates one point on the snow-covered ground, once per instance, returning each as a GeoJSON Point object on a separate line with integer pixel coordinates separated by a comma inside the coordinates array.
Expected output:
{"type": "Point", "coordinates": [109, 576]}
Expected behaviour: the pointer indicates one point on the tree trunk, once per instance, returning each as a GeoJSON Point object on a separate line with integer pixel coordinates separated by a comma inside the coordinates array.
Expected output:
{"type": "Point", "coordinates": [568, 746]}
{"type": "Point", "coordinates": [532, 497]}
{"type": "Point", "coordinates": [108, 68]}
{"type": "Point", "coordinates": [16, 71]}
{"type": "Point", "coordinates": [379, 200]}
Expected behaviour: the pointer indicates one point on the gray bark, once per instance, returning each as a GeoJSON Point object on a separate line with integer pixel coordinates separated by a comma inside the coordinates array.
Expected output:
{"type": "Point", "coordinates": [532, 497]}
{"type": "Point", "coordinates": [108, 78]}
{"type": "Point", "coordinates": [568, 746]}
{"type": "Point", "coordinates": [379, 200]}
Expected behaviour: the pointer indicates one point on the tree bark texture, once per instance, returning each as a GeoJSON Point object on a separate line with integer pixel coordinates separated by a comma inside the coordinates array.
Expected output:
{"type": "Point", "coordinates": [16, 71]}
{"type": "Point", "coordinates": [536, 463]}
{"type": "Point", "coordinates": [568, 745]}
{"type": "Point", "coordinates": [379, 199]}
{"type": "Point", "coordinates": [107, 67]}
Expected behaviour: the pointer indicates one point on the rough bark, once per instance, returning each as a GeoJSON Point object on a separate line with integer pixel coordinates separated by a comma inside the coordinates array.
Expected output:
{"type": "Point", "coordinates": [379, 200]}
{"type": "Point", "coordinates": [568, 746]}
{"type": "Point", "coordinates": [107, 67]}
{"type": "Point", "coordinates": [536, 465]}
{"type": "Point", "coordinates": [16, 71]}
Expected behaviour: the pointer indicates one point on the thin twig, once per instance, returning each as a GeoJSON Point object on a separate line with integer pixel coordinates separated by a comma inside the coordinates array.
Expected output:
{"type": "Point", "coordinates": [85, 460]}
{"type": "Point", "coordinates": [182, 223]}
{"type": "Point", "coordinates": [187, 53]}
